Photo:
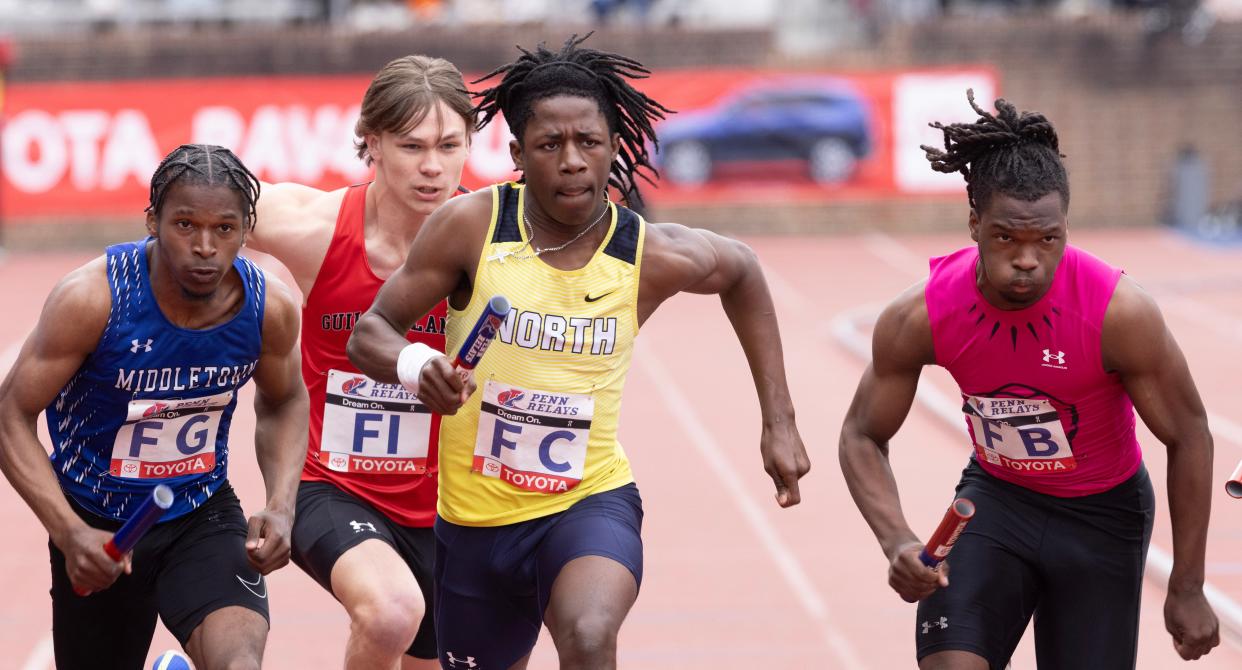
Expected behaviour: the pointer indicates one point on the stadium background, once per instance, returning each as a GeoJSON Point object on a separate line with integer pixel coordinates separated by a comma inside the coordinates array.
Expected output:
{"type": "Point", "coordinates": [1146, 96]}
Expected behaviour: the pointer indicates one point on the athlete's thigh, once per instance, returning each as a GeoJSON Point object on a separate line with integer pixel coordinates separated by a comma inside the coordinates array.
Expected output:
{"type": "Point", "coordinates": [205, 569]}
{"type": "Point", "coordinates": [329, 524]}
{"type": "Point", "coordinates": [993, 584]}
{"type": "Point", "coordinates": [590, 590]}
{"type": "Point", "coordinates": [107, 629]}
{"type": "Point", "coordinates": [1094, 556]}
{"type": "Point", "coordinates": [417, 547]}
{"type": "Point", "coordinates": [226, 636]}
{"type": "Point", "coordinates": [590, 565]}
{"type": "Point", "coordinates": [486, 607]}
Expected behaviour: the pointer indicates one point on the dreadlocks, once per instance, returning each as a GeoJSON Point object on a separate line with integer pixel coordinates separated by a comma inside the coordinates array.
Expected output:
{"type": "Point", "coordinates": [576, 71]}
{"type": "Point", "coordinates": [1013, 153]}
{"type": "Point", "coordinates": [205, 164]}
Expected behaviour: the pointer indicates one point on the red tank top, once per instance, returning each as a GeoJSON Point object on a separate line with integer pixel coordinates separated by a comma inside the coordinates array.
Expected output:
{"type": "Point", "coordinates": [370, 439]}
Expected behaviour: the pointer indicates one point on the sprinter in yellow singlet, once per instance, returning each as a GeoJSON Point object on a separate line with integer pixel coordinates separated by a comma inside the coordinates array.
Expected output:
{"type": "Point", "coordinates": [539, 518]}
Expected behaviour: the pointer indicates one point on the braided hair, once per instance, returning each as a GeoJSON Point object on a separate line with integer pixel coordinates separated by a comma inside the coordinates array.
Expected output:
{"type": "Point", "coordinates": [1014, 153]}
{"type": "Point", "coordinates": [587, 73]}
{"type": "Point", "coordinates": [205, 164]}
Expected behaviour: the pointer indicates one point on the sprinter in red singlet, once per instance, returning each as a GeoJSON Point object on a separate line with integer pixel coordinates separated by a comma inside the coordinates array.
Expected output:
{"type": "Point", "coordinates": [1053, 350]}
{"type": "Point", "coordinates": [367, 501]}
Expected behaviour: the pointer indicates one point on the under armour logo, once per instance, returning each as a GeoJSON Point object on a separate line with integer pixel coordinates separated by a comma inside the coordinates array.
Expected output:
{"type": "Point", "coordinates": [135, 345]}
{"type": "Point", "coordinates": [1058, 358]}
{"type": "Point", "coordinates": [941, 624]}
{"type": "Point", "coordinates": [467, 662]}
{"type": "Point", "coordinates": [365, 525]}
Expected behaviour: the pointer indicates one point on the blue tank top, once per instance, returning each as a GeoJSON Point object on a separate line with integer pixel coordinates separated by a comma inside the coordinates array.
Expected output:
{"type": "Point", "coordinates": [153, 403]}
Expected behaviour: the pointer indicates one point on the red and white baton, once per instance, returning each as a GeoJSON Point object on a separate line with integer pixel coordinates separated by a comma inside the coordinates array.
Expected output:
{"type": "Point", "coordinates": [950, 528]}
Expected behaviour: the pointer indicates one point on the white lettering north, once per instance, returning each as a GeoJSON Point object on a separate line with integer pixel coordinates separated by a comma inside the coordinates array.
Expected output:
{"type": "Point", "coordinates": [551, 332]}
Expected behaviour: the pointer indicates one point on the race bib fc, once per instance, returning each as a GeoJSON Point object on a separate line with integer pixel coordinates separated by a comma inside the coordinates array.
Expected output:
{"type": "Point", "coordinates": [168, 438]}
{"type": "Point", "coordinates": [1019, 434]}
{"type": "Point", "coordinates": [373, 427]}
{"type": "Point", "coordinates": [533, 440]}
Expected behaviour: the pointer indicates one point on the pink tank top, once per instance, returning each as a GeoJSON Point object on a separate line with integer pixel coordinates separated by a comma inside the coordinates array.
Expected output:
{"type": "Point", "coordinates": [1040, 409]}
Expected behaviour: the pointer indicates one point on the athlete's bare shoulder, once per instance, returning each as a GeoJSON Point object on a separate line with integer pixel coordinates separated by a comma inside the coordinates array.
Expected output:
{"type": "Point", "coordinates": [473, 206]}
{"type": "Point", "coordinates": [295, 224]}
{"type": "Point", "coordinates": [460, 221]}
{"type": "Point", "coordinates": [281, 314]}
{"type": "Point", "coordinates": [902, 337]}
{"type": "Point", "coordinates": [1132, 325]}
{"type": "Point", "coordinates": [681, 256]}
{"type": "Point", "coordinates": [82, 298]}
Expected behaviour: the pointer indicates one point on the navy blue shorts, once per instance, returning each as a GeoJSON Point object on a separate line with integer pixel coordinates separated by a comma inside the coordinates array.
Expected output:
{"type": "Point", "coordinates": [1076, 564]}
{"type": "Point", "coordinates": [494, 583]}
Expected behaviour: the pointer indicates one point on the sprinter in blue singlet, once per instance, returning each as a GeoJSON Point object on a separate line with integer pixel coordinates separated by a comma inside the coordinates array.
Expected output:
{"type": "Point", "coordinates": [137, 360]}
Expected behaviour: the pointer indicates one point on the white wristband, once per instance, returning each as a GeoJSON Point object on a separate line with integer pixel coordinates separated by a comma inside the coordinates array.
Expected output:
{"type": "Point", "coordinates": [410, 363]}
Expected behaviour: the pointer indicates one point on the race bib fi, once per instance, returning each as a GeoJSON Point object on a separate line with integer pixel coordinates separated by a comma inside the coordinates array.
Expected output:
{"type": "Point", "coordinates": [373, 427]}
{"type": "Point", "coordinates": [1019, 434]}
{"type": "Point", "coordinates": [533, 440]}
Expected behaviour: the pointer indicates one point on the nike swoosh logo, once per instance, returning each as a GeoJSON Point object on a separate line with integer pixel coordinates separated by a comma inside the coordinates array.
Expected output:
{"type": "Point", "coordinates": [250, 585]}
{"type": "Point", "coordinates": [590, 299]}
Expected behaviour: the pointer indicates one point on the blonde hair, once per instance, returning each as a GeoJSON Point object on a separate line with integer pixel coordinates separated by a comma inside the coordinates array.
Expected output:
{"type": "Point", "coordinates": [404, 92]}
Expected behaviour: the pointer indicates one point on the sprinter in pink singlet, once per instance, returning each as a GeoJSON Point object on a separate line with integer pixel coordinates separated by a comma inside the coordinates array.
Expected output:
{"type": "Point", "coordinates": [1053, 351]}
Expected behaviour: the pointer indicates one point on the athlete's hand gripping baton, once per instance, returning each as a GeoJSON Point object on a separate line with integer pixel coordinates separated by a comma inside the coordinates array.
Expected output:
{"type": "Point", "coordinates": [484, 332]}
{"type": "Point", "coordinates": [950, 528]}
{"type": "Point", "coordinates": [1234, 486]}
{"type": "Point", "coordinates": [137, 525]}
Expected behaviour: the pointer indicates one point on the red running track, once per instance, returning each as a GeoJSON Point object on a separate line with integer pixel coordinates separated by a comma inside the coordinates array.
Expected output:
{"type": "Point", "coordinates": [732, 581]}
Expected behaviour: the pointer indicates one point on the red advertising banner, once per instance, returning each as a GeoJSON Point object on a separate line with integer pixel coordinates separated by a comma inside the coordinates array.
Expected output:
{"type": "Point", "coordinates": [88, 149]}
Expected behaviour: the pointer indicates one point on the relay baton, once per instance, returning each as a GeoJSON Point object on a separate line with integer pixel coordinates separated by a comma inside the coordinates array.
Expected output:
{"type": "Point", "coordinates": [140, 522]}
{"type": "Point", "coordinates": [150, 511]}
{"type": "Point", "coordinates": [484, 332]}
{"type": "Point", "coordinates": [950, 528]}
{"type": "Point", "coordinates": [1234, 486]}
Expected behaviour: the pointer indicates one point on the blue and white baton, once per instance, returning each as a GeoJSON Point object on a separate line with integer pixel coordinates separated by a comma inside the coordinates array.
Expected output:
{"type": "Point", "coordinates": [140, 522]}
{"type": "Point", "coordinates": [484, 332]}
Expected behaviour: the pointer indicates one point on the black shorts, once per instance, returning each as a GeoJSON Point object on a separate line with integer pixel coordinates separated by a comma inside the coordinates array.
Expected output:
{"type": "Point", "coordinates": [330, 522]}
{"type": "Point", "coordinates": [183, 570]}
{"type": "Point", "coordinates": [493, 583]}
{"type": "Point", "coordinates": [1076, 564]}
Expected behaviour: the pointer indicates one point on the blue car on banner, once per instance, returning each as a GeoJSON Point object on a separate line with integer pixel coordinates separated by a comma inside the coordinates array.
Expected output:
{"type": "Point", "coordinates": [821, 121]}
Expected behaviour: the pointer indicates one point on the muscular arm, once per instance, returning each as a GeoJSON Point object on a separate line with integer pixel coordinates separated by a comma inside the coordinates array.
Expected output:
{"type": "Point", "coordinates": [901, 346]}
{"type": "Point", "coordinates": [52, 354]}
{"type": "Point", "coordinates": [442, 259]}
{"type": "Point", "coordinates": [281, 408]}
{"type": "Point", "coordinates": [1137, 344]}
{"type": "Point", "coordinates": [675, 259]}
{"type": "Point", "coordinates": [295, 224]}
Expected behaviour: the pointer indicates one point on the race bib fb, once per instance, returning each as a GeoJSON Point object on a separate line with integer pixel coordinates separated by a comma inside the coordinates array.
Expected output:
{"type": "Point", "coordinates": [168, 438]}
{"type": "Point", "coordinates": [533, 440]}
{"type": "Point", "coordinates": [1019, 434]}
{"type": "Point", "coordinates": [372, 427]}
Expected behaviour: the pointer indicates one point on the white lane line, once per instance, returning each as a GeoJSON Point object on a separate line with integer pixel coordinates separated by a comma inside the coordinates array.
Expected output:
{"type": "Point", "coordinates": [781, 553]}
{"type": "Point", "coordinates": [42, 656]}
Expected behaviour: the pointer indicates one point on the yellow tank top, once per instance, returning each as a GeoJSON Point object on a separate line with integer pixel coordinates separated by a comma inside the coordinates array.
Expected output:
{"type": "Point", "coordinates": [540, 433]}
